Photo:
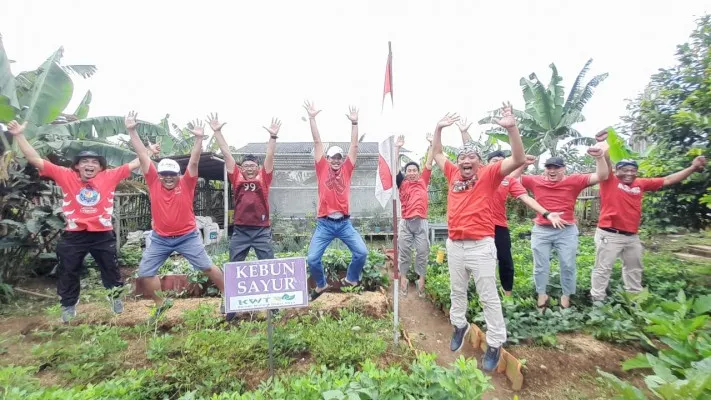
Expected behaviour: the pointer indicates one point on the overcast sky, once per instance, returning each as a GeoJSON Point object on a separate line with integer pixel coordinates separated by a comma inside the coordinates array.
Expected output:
{"type": "Point", "coordinates": [250, 61]}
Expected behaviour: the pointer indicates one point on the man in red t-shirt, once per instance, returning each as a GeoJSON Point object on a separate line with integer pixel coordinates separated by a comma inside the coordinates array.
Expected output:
{"type": "Point", "coordinates": [250, 185]}
{"type": "Point", "coordinates": [334, 173]}
{"type": "Point", "coordinates": [620, 214]}
{"type": "Point", "coordinates": [174, 228]}
{"type": "Point", "coordinates": [413, 231]}
{"type": "Point", "coordinates": [555, 190]}
{"type": "Point", "coordinates": [470, 248]}
{"type": "Point", "coordinates": [88, 189]}
{"type": "Point", "coordinates": [502, 238]}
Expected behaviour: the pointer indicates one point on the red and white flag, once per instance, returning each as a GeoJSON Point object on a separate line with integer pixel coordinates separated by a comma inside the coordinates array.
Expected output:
{"type": "Point", "coordinates": [384, 179]}
{"type": "Point", "coordinates": [388, 87]}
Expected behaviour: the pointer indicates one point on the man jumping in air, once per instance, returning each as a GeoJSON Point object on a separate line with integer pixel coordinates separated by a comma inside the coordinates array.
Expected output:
{"type": "Point", "coordinates": [174, 228]}
{"type": "Point", "coordinates": [556, 191]}
{"type": "Point", "coordinates": [413, 231]}
{"type": "Point", "coordinates": [509, 186]}
{"type": "Point", "coordinates": [88, 188]}
{"type": "Point", "coordinates": [620, 215]}
{"type": "Point", "coordinates": [334, 173]}
{"type": "Point", "coordinates": [470, 248]}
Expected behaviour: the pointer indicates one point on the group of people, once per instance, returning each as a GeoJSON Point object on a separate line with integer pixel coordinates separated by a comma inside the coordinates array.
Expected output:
{"type": "Point", "coordinates": [476, 216]}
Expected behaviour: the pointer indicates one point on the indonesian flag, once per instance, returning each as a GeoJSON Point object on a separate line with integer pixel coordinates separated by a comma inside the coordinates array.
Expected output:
{"type": "Point", "coordinates": [388, 87]}
{"type": "Point", "coordinates": [384, 178]}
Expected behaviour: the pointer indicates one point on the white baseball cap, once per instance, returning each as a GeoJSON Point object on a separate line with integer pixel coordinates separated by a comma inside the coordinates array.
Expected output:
{"type": "Point", "coordinates": [169, 166]}
{"type": "Point", "coordinates": [333, 150]}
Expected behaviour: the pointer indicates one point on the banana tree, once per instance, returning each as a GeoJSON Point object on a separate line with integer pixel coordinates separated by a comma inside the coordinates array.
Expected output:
{"type": "Point", "coordinates": [548, 118]}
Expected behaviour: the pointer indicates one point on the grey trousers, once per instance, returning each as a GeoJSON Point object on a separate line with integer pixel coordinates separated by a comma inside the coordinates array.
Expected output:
{"type": "Point", "coordinates": [608, 247]}
{"type": "Point", "coordinates": [245, 237]}
{"type": "Point", "coordinates": [413, 234]}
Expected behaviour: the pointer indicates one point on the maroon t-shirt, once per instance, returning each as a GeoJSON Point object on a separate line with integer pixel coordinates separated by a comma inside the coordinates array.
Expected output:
{"type": "Point", "coordinates": [251, 198]}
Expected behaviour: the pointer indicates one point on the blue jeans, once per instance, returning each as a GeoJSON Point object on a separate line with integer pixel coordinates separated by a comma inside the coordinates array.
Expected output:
{"type": "Point", "coordinates": [326, 231]}
{"type": "Point", "coordinates": [565, 242]}
{"type": "Point", "coordinates": [189, 246]}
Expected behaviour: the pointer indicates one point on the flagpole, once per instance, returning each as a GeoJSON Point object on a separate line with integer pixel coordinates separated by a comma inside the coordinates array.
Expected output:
{"type": "Point", "coordinates": [396, 284]}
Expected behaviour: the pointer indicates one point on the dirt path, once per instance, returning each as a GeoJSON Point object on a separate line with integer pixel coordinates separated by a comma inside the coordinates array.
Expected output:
{"type": "Point", "coordinates": [568, 371]}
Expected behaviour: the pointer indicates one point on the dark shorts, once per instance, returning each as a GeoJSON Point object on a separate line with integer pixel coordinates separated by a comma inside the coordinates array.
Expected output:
{"type": "Point", "coordinates": [246, 237]}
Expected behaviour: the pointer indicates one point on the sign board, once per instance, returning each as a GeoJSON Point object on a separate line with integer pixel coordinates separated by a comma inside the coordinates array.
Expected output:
{"type": "Point", "coordinates": [265, 284]}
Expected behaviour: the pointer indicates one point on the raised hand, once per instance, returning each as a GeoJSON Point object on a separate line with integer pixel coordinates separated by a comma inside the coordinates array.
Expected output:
{"type": "Point", "coordinates": [556, 220]}
{"type": "Point", "coordinates": [530, 160]}
{"type": "Point", "coordinates": [15, 128]}
{"type": "Point", "coordinates": [131, 120]}
{"type": "Point", "coordinates": [429, 137]}
{"type": "Point", "coordinates": [699, 162]}
{"type": "Point", "coordinates": [601, 136]}
{"type": "Point", "coordinates": [311, 109]}
{"type": "Point", "coordinates": [507, 119]}
{"type": "Point", "coordinates": [463, 126]}
{"type": "Point", "coordinates": [596, 151]}
{"type": "Point", "coordinates": [197, 128]}
{"type": "Point", "coordinates": [215, 123]}
{"type": "Point", "coordinates": [273, 128]}
{"type": "Point", "coordinates": [400, 141]}
{"type": "Point", "coordinates": [448, 120]}
{"type": "Point", "coordinates": [352, 114]}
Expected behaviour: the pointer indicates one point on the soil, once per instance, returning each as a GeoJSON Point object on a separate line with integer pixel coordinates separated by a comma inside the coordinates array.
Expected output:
{"type": "Point", "coordinates": [566, 371]}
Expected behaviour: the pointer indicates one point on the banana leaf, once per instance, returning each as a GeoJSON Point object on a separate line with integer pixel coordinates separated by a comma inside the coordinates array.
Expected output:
{"type": "Point", "coordinates": [100, 128]}
{"type": "Point", "coordinates": [618, 148]}
{"type": "Point", "coordinates": [115, 155]}
{"type": "Point", "coordinates": [7, 81]}
{"type": "Point", "coordinates": [83, 109]}
{"type": "Point", "coordinates": [51, 92]}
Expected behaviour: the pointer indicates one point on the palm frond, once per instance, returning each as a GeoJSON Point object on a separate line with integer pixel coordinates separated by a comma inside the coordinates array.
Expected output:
{"type": "Point", "coordinates": [581, 141]}
{"type": "Point", "coordinates": [85, 71]}
{"type": "Point", "coordinates": [574, 91]}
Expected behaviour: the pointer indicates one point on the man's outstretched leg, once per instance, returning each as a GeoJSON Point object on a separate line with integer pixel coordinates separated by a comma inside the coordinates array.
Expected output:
{"type": "Point", "coordinates": [359, 252]}
{"type": "Point", "coordinates": [322, 237]}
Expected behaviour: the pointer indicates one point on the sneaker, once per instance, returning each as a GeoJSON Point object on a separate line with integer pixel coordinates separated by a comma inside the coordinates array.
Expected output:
{"type": "Point", "coordinates": [458, 338]}
{"type": "Point", "coordinates": [316, 293]}
{"type": "Point", "coordinates": [491, 358]}
{"type": "Point", "coordinates": [116, 304]}
{"type": "Point", "coordinates": [68, 313]}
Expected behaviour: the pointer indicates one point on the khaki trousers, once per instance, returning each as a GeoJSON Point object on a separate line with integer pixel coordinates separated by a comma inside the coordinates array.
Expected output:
{"type": "Point", "coordinates": [476, 258]}
{"type": "Point", "coordinates": [608, 247]}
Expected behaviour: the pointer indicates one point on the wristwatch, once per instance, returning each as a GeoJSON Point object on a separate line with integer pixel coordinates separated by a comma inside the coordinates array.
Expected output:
{"type": "Point", "coordinates": [546, 214]}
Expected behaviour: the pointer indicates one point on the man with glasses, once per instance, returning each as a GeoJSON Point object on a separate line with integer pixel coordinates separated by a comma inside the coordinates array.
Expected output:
{"type": "Point", "coordinates": [334, 173]}
{"type": "Point", "coordinates": [470, 247]}
{"type": "Point", "coordinates": [88, 188]}
{"type": "Point", "coordinates": [174, 228]}
{"type": "Point", "coordinates": [620, 215]}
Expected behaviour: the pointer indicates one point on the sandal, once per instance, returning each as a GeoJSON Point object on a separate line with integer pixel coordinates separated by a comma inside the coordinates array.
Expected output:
{"type": "Point", "coordinates": [316, 293]}
{"type": "Point", "coordinates": [420, 290]}
{"type": "Point", "coordinates": [542, 307]}
{"type": "Point", "coordinates": [403, 292]}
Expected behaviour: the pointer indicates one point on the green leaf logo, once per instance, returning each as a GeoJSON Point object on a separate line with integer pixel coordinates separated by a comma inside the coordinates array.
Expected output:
{"type": "Point", "coordinates": [287, 297]}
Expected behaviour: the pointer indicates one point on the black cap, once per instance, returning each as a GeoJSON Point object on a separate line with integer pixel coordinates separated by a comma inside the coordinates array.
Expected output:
{"type": "Point", "coordinates": [555, 162]}
{"type": "Point", "coordinates": [497, 153]}
{"type": "Point", "coordinates": [626, 163]}
{"type": "Point", "coordinates": [89, 154]}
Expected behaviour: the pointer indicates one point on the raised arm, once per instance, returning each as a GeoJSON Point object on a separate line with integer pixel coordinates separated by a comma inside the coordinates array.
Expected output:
{"type": "Point", "coordinates": [318, 145]}
{"type": "Point", "coordinates": [530, 160]}
{"type": "Point", "coordinates": [144, 158]}
{"type": "Point", "coordinates": [602, 168]}
{"type": "Point", "coordinates": [271, 145]}
{"type": "Point", "coordinates": [153, 149]}
{"type": "Point", "coordinates": [464, 130]}
{"type": "Point", "coordinates": [518, 155]}
{"type": "Point", "coordinates": [430, 153]}
{"type": "Point", "coordinates": [439, 156]}
{"type": "Point", "coordinates": [698, 164]}
{"type": "Point", "coordinates": [197, 128]}
{"type": "Point", "coordinates": [216, 127]}
{"type": "Point", "coordinates": [18, 131]}
{"type": "Point", "coordinates": [353, 150]}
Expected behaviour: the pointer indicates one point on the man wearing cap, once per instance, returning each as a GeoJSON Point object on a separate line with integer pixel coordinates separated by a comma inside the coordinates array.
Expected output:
{"type": "Point", "coordinates": [413, 231]}
{"type": "Point", "coordinates": [502, 237]}
{"type": "Point", "coordinates": [174, 228]}
{"type": "Point", "coordinates": [334, 187]}
{"type": "Point", "coordinates": [556, 191]}
{"type": "Point", "coordinates": [250, 183]}
{"type": "Point", "coordinates": [88, 189]}
{"type": "Point", "coordinates": [470, 247]}
{"type": "Point", "coordinates": [620, 214]}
